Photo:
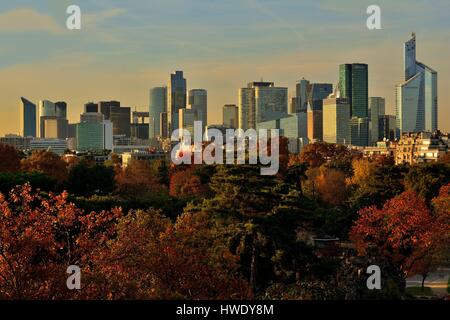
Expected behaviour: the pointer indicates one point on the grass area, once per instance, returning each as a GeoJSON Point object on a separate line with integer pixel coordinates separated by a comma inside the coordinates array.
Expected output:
{"type": "Point", "coordinates": [417, 291]}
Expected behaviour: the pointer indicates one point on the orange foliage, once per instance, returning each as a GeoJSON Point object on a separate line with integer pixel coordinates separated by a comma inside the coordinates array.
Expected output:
{"type": "Point", "coordinates": [331, 186]}
{"type": "Point", "coordinates": [40, 237]}
{"type": "Point", "coordinates": [137, 179]}
{"type": "Point", "coordinates": [152, 258]}
{"type": "Point", "coordinates": [48, 163]}
{"type": "Point", "coordinates": [184, 183]}
{"type": "Point", "coordinates": [404, 230]}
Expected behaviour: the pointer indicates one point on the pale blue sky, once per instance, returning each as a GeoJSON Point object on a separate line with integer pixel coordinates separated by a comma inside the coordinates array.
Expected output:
{"type": "Point", "coordinates": [126, 47]}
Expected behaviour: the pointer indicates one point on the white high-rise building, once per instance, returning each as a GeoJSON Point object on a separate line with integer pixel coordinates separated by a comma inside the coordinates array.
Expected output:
{"type": "Point", "coordinates": [417, 97]}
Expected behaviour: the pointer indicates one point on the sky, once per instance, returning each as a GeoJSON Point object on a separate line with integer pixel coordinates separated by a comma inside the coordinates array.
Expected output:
{"type": "Point", "coordinates": [126, 47]}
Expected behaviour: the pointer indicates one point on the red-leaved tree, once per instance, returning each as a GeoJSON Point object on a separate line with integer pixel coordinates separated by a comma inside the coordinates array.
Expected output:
{"type": "Point", "coordinates": [404, 231]}
{"type": "Point", "coordinates": [40, 236]}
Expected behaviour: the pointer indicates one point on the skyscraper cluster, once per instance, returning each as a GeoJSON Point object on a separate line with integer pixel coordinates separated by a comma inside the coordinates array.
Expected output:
{"type": "Point", "coordinates": [172, 107]}
{"type": "Point", "coordinates": [346, 115]}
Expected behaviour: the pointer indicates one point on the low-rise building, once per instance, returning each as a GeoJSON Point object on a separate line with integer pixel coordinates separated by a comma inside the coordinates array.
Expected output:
{"type": "Point", "coordinates": [57, 146]}
{"type": "Point", "coordinates": [127, 157]}
{"type": "Point", "coordinates": [383, 148]}
{"type": "Point", "coordinates": [18, 142]}
{"type": "Point", "coordinates": [420, 147]}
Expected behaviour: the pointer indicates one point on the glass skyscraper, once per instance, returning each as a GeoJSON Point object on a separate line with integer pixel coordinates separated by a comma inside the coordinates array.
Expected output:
{"type": "Point", "coordinates": [416, 98]}
{"type": "Point", "coordinates": [354, 85]}
{"type": "Point", "coordinates": [158, 105]}
{"type": "Point", "coordinates": [27, 118]}
{"type": "Point", "coordinates": [176, 99]}
{"type": "Point", "coordinates": [359, 132]}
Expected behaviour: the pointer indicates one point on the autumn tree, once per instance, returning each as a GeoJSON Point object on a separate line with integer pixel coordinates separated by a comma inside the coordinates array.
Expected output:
{"type": "Point", "coordinates": [46, 162]}
{"type": "Point", "coordinates": [437, 254]}
{"type": "Point", "coordinates": [40, 236]}
{"type": "Point", "coordinates": [331, 186]}
{"type": "Point", "coordinates": [363, 169]}
{"type": "Point", "coordinates": [336, 156]}
{"type": "Point", "coordinates": [154, 258]}
{"type": "Point", "coordinates": [137, 179]}
{"type": "Point", "coordinates": [403, 231]}
{"type": "Point", "coordinates": [9, 158]}
{"type": "Point", "coordinates": [184, 183]}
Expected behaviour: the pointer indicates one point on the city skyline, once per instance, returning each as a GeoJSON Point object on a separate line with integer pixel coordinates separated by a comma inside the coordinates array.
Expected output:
{"type": "Point", "coordinates": [110, 58]}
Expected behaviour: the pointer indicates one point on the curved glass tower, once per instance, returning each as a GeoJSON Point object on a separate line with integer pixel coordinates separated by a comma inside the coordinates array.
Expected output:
{"type": "Point", "coordinates": [27, 118]}
{"type": "Point", "coordinates": [416, 98]}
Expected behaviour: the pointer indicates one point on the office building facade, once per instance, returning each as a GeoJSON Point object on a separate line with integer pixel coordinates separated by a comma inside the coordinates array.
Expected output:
{"type": "Point", "coordinates": [118, 115]}
{"type": "Point", "coordinates": [359, 132]}
{"type": "Point", "coordinates": [198, 102]}
{"type": "Point", "coordinates": [377, 108]}
{"type": "Point", "coordinates": [387, 128]}
{"type": "Point", "coordinates": [336, 115]}
{"type": "Point", "coordinates": [316, 93]}
{"type": "Point", "coordinates": [261, 102]}
{"type": "Point", "coordinates": [91, 136]}
{"type": "Point", "coordinates": [230, 116]}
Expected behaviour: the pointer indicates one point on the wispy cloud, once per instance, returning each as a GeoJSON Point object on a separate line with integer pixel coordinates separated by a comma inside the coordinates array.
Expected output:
{"type": "Point", "coordinates": [28, 20]}
{"type": "Point", "coordinates": [94, 19]}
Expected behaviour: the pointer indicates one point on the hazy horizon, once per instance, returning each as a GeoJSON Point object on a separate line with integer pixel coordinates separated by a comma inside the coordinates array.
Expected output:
{"type": "Point", "coordinates": [124, 49]}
